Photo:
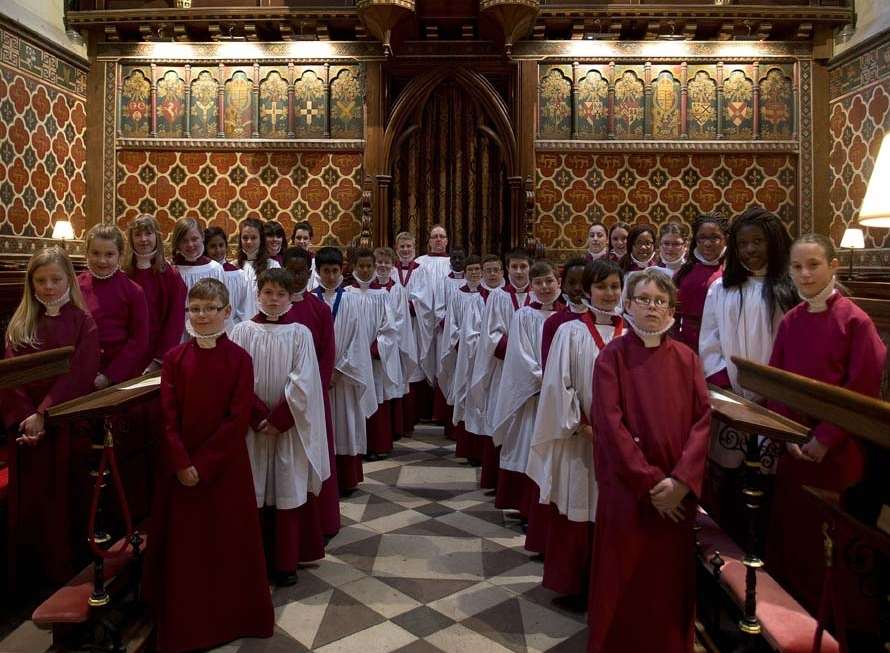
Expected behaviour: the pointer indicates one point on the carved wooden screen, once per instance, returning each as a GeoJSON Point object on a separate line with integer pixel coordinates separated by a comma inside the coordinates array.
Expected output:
{"type": "Point", "coordinates": [450, 170]}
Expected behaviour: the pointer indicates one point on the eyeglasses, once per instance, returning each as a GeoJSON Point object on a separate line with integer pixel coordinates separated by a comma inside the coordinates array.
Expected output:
{"type": "Point", "coordinates": [206, 310]}
{"type": "Point", "coordinates": [658, 302]}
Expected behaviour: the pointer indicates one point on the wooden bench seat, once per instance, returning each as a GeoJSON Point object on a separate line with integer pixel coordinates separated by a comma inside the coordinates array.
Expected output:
{"type": "Point", "coordinates": [787, 626]}
{"type": "Point", "coordinates": [69, 604]}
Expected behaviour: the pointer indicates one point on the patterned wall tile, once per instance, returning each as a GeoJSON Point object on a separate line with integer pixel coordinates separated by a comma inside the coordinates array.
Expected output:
{"type": "Point", "coordinates": [575, 189]}
{"type": "Point", "coordinates": [222, 188]}
{"type": "Point", "coordinates": [42, 140]}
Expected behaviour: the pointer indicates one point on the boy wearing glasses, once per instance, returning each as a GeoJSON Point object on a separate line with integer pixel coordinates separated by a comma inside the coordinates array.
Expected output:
{"type": "Point", "coordinates": [650, 446]}
{"type": "Point", "coordinates": [287, 440]}
{"type": "Point", "coordinates": [204, 517]}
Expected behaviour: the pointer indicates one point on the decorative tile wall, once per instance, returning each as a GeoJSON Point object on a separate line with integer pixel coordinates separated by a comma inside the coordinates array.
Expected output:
{"type": "Point", "coordinates": [222, 188]}
{"type": "Point", "coordinates": [859, 118]}
{"type": "Point", "coordinates": [576, 188]}
{"type": "Point", "coordinates": [42, 139]}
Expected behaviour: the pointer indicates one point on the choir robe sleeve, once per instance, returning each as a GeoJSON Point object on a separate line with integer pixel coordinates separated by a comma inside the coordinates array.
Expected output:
{"type": "Point", "coordinates": [213, 454]}
{"type": "Point", "coordinates": [407, 343]}
{"type": "Point", "coordinates": [560, 407]}
{"type": "Point", "coordinates": [387, 341]}
{"type": "Point", "coordinates": [690, 468]}
{"type": "Point", "coordinates": [466, 353]}
{"type": "Point", "coordinates": [304, 403]}
{"type": "Point", "coordinates": [125, 364]}
{"type": "Point", "coordinates": [614, 444]}
{"type": "Point", "coordinates": [522, 368]}
{"type": "Point", "coordinates": [354, 355]}
{"type": "Point", "coordinates": [709, 347]}
{"type": "Point", "coordinates": [424, 302]}
{"type": "Point", "coordinates": [173, 325]}
{"type": "Point", "coordinates": [496, 317]}
{"type": "Point", "coordinates": [84, 367]}
{"type": "Point", "coordinates": [176, 454]}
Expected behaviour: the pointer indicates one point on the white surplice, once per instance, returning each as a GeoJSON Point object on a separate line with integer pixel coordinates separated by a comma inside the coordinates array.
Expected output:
{"type": "Point", "coordinates": [513, 417]}
{"type": "Point", "coordinates": [379, 324]}
{"type": "Point", "coordinates": [735, 322]}
{"type": "Point", "coordinates": [398, 301]}
{"type": "Point", "coordinates": [236, 284]}
{"type": "Point", "coordinates": [429, 306]}
{"type": "Point", "coordinates": [487, 368]}
{"type": "Point", "coordinates": [290, 465]}
{"type": "Point", "coordinates": [413, 282]}
{"type": "Point", "coordinates": [353, 394]}
{"type": "Point", "coordinates": [250, 277]}
{"type": "Point", "coordinates": [471, 307]}
{"type": "Point", "coordinates": [560, 461]}
{"type": "Point", "coordinates": [449, 335]}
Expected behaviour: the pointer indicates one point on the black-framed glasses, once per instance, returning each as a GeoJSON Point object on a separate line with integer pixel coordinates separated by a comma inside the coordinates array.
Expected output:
{"type": "Point", "coordinates": [657, 302]}
{"type": "Point", "coordinates": [204, 310]}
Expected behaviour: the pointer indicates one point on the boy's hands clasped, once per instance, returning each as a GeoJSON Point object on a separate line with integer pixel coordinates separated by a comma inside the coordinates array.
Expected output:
{"type": "Point", "coordinates": [667, 498]}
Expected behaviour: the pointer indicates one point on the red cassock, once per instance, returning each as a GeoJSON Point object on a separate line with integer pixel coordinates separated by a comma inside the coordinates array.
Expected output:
{"type": "Point", "coordinates": [839, 346]}
{"type": "Point", "coordinates": [645, 431]}
{"type": "Point", "coordinates": [118, 306]}
{"type": "Point", "coordinates": [691, 294]}
{"type": "Point", "coordinates": [206, 575]}
{"type": "Point", "coordinates": [165, 297]}
{"type": "Point", "coordinates": [46, 515]}
{"type": "Point", "coordinates": [316, 316]}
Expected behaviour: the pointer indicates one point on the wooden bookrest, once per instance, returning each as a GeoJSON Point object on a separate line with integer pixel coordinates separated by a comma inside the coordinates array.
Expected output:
{"type": "Point", "coordinates": [33, 367]}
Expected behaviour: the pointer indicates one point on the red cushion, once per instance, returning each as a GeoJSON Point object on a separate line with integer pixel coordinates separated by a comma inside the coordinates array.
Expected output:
{"type": "Point", "coordinates": [786, 625]}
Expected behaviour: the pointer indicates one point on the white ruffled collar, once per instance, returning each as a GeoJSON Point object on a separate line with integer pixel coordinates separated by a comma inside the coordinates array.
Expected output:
{"type": "Point", "coordinates": [818, 303]}
{"type": "Point", "coordinates": [207, 341]}
{"type": "Point", "coordinates": [95, 275]}
{"type": "Point", "coordinates": [701, 259]}
{"type": "Point", "coordinates": [54, 307]}
{"type": "Point", "coordinates": [143, 261]}
{"type": "Point", "coordinates": [650, 338]}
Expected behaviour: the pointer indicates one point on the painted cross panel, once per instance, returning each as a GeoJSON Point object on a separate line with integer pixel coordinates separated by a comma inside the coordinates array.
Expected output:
{"type": "Point", "coordinates": [629, 104]}
{"type": "Point", "coordinates": [135, 103]}
{"type": "Point", "coordinates": [592, 105]}
{"type": "Point", "coordinates": [701, 104]}
{"type": "Point", "coordinates": [239, 105]}
{"type": "Point", "coordinates": [738, 104]}
{"type": "Point", "coordinates": [273, 105]}
{"type": "Point", "coordinates": [347, 102]}
{"type": "Point", "coordinates": [171, 104]}
{"type": "Point", "coordinates": [309, 103]}
{"type": "Point", "coordinates": [205, 105]}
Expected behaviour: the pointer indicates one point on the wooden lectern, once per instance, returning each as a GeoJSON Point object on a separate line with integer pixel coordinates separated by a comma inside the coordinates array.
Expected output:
{"type": "Point", "coordinates": [34, 367]}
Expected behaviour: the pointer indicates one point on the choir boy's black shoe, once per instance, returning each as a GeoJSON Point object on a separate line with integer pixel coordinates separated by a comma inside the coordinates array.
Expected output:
{"type": "Point", "coordinates": [538, 557]}
{"type": "Point", "coordinates": [573, 603]}
{"type": "Point", "coordinates": [285, 578]}
{"type": "Point", "coordinates": [491, 493]}
{"type": "Point", "coordinates": [371, 457]}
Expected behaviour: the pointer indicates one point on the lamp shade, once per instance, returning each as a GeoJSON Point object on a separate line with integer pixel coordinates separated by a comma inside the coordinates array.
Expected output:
{"type": "Point", "coordinates": [62, 230]}
{"type": "Point", "coordinates": [875, 210]}
{"type": "Point", "coordinates": [853, 239]}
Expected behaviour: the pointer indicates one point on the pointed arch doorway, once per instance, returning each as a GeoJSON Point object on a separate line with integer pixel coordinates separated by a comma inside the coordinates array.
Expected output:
{"type": "Point", "coordinates": [450, 157]}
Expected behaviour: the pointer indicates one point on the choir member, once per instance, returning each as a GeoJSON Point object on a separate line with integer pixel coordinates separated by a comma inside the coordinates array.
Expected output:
{"type": "Point", "coordinates": [574, 298]}
{"type": "Point", "coordinates": [287, 440]}
{"type": "Point", "coordinates": [492, 274]}
{"type": "Point", "coordinates": [618, 233]}
{"type": "Point", "coordinates": [302, 238]}
{"type": "Point", "coordinates": [649, 464]}
{"type": "Point", "coordinates": [429, 303]}
{"type": "Point", "coordinates": [671, 248]}
{"type": "Point", "coordinates": [117, 305]}
{"type": "Point", "coordinates": [384, 260]}
{"type": "Point", "coordinates": [444, 359]}
{"type": "Point", "coordinates": [561, 457]}
{"type": "Point", "coordinates": [216, 245]}
{"type": "Point", "coordinates": [275, 237]}
{"type": "Point", "coordinates": [310, 311]}
{"type": "Point", "coordinates": [640, 249]}
{"type": "Point", "coordinates": [206, 576]}
{"type": "Point", "coordinates": [516, 403]}
{"type": "Point", "coordinates": [597, 242]}
{"type": "Point", "coordinates": [703, 266]}
{"type": "Point", "coordinates": [253, 259]}
{"type": "Point", "coordinates": [187, 245]}
{"type": "Point", "coordinates": [51, 314]}
{"type": "Point", "coordinates": [405, 273]}
{"type": "Point", "coordinates": [163, 287]}
{"type": "Point", "coordinates": [488, 362]}
{"type": "Point", "coordinates": [352, 391]}
{"type": "Point", "coordinates": [460, 306]}
{"type": "Point", "coordinates": [379, 323]}
{"type": "Point", "coordinates": [744, 307]}
{"type": "Point", "coordinates": [828, 338]}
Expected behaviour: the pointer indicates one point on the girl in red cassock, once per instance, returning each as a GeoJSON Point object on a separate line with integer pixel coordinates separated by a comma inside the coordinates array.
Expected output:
{"type": "Point", "coordinates": [650, 463]}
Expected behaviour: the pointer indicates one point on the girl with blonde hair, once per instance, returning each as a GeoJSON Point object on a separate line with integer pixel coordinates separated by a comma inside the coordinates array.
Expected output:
{"type": "Point", "coordinates": [191, 260]}
{"type": "Point", "coordinates": [164, 288]}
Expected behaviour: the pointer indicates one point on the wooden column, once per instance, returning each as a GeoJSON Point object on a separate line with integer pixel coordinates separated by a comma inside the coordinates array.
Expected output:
{"type": "Point", "coordinates": [517, 218]}
{"type": "Point", "coordinates": [684, 100]}
{"type": "Point", "coordinates": [221, 103]}
{"type": "Point", "coordinates": [95, 132]}
{"type": "Point", "coordinates": [255, 132]}
{"type": "Point", "coordinates": [526, 117]}
{"type": "Point", "coordinates": [818, 101]}
{"type": "Point", "coordinates": [647, 101]}
{"type": "Point", "coordinates": [755, 74]}
{"type": "Point", "coordinates": [374, 164]}
{"type": "Point", "coordinates": [188, 101]}
{"type": "Point", "coordinates": [612, 100]}
{"type": "Point", "coordinates": [291, 121]}
{"type": "Point", "coordinates": [154, 101]}
{"type": "Point", "coordinates": [327, 100]}
{"type": "Point", "coordinates": [574, 100]}
{"type": "Point", "coordinates": [795, 100]}
{"type": "Point", "coordinates": [719, 99]}
{"type": "Point", "coordinates": [380, 228]}
{"type": "Point", "coordinates": [119, 89]}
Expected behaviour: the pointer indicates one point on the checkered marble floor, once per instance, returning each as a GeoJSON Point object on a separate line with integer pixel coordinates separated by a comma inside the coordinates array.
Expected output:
{"type": "Point", "coordinates": [423, 563]}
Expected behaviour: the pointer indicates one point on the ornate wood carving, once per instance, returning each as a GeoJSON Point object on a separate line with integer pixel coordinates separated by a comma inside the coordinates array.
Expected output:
{"type": "Point", "coordinates": [381, 16]}
{"type": "Point", "coordinates": [514, 16]}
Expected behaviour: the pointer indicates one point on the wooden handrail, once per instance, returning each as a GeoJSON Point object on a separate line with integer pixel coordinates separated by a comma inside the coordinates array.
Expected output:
{"type": "Point", "coordinates": [864, 416]}
{"type": "Point", "coordinates": [34, 367]}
